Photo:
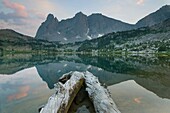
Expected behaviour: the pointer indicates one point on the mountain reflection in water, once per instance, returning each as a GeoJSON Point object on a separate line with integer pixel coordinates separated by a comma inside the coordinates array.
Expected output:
{"type": "Point", "coordinates": [151, 73]}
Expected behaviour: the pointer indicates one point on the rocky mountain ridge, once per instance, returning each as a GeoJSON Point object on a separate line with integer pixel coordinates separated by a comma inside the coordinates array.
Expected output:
{"type": "Point", "coordinates": [82, 27]}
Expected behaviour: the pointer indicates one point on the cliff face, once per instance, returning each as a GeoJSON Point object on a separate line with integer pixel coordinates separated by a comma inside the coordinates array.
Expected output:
{"type": "Point", "coordinates": [100, 25]}
{"type": "Point", "coordinates": [79, 28]}
{"type": "Point", "coordinates": [47, 27]}
{"type": "Point", "coordinates": [156, 17]}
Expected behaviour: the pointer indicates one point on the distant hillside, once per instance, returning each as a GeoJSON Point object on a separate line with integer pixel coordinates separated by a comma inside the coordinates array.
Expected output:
{"type": "Point", "coordinates": [11, 35]}
{"type": "Point", "coordinates": [154, 18]}
{"type": "Point", "coordinates": [147, 39]}
{"type": "Point", "coordinates": [12, 42]}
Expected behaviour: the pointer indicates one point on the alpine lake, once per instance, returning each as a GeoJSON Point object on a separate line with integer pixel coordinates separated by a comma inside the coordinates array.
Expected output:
{"type": "Point", "coordinates": [137, 83]}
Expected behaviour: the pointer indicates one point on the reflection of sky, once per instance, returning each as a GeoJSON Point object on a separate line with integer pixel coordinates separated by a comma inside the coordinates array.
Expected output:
{"type": "Point", "coordinates": [23, 92]}
{"type": "Point", "coordinates": [132, 98]}
{"type": "Point", "coordinates": [27, 89]}
{"type": "Point", "coordinates": [20, 88]}
{"type": "Point", "coordinates": [18, 83]}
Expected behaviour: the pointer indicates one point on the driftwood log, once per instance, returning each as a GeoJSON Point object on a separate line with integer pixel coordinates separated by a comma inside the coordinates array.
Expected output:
{"type": "Point", "coordinates": [100, 96]}
{"type": "Point", "coordinates": [61, 101]}
{"type": "Point", "coordinates": [69, 85]}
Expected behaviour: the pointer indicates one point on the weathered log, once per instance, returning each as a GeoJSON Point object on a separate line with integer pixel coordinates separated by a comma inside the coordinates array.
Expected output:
{"type": "Point", "coordinates": [73, 81]}
{"type": "Point", "coordinates": [100, 97]}
{"type": "Point", "coordinates": [65, 77]}
{"type": "Point", "coordinates": [61, 101]}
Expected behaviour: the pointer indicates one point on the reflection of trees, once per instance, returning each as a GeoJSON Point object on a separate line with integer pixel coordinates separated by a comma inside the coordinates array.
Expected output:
{"type": "Point", "coordinates": [15, 62]}
{"type": "Point", "coordinates": [150, 72]}
{"type": "Point", "coordinates": [1, 52]}
{"type": "Point", "coordinates": [128, 65]}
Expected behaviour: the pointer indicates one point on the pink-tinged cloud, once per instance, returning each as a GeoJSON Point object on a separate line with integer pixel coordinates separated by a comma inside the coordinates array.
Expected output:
{"type": "Point", "coordinates": [23, 92]}
{"type": "Point", "coordinates": [137, 100]}
{"type": "Point", "coordinates": [19, 9]}
{"type": "Point", "coordinates": [139, 2]}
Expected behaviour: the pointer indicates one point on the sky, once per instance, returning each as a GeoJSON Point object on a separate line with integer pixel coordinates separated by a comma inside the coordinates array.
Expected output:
{"type": "Point", "coordinates": [25, 16]}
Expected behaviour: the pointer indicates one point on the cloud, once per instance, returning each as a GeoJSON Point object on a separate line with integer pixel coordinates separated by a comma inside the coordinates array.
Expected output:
{"type": "Point", "coordinates": [137, 100]}
{"type": "Point", "coordinates": [27, 17]}
{"type": "Point", "coordinates": [20, 18]}
{"type": "Point", "coordinates": [18, 9]}
{"type": "Point", "coordinates": [23, 92]}
{"type": "Point", "coordinates": [17, 14]}
{"type": "Point", "coordinates": [139, 2]}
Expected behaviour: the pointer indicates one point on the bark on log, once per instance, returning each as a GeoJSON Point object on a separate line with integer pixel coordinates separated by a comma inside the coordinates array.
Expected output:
{"type": "Point", "coordinates": [100, 96]}
{"type": "Point", "coordinates": [61, 101]}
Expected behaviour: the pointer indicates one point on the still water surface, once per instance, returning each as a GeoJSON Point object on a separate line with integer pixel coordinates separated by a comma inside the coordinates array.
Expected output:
{"type": "Point", "coordinates": [137, 84]}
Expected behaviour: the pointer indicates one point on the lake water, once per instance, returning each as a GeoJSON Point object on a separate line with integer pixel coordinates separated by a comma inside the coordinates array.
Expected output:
{"type": "Point", "coordinates": [138, 84]}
